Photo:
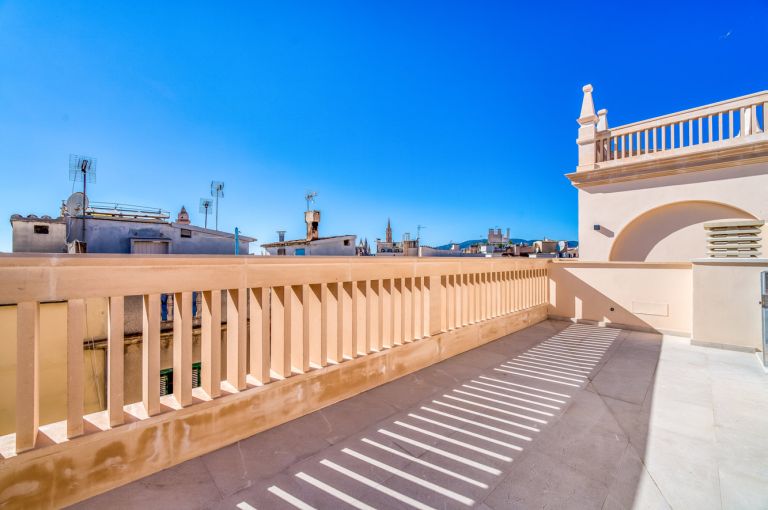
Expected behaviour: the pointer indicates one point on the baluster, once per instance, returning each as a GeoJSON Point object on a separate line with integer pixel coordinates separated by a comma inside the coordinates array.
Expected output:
{"type": "Point", "coordinates": [719, 126]}
{"type": "Point", "coordinates": [434, 295]}
{"type": "Point", "coordinates": [75, 375]}
{"type": "Point", "coordinates": [397, 312]}
{"type": "Point", "coordinates": [27, 374]}
{"type": "Point", "coordinates": [150, 358]}
{"type": "Point", "coordinates": [373, 314]}
{"type": "Point", "coordinates": [710, 128]}
{"type": "Point", "coordinates": [346, 319]}
{"type": "Point", "coordinates": [671, 136]}
{"type": "Point", "coordinates": [182, 348]}
{"type": "Point", "coordinates": [386, 315]}
{"type": "Point", "coordinates": [631, 136]}
{"type": "Point", "coordinates": [755, 126]}
{"type": "Point", "coordinates": [663, 138]}
{"type": "Point", "coordinates": [210, 343]}
{"type": "Point", "coordinates": [731, 131]}
{"type": "Point", "coordinates": [358, 319]}
{"type": "Point", "coordinates": [466, 295]}
{"type": "Point", "coordinates": [451, 303]}
{"type": "Point", "coordinates": [690, 132]}
{"type": "Point", "coordinates": [259, 340]}
{"type": "Point", "coordinates": [115, 355]}
{"type": "Point", "coordinates": [416, 308]}
{"type": "Point", "coordinates": [333, 326]}
{"type": "Point", "coordinates": [681, 135]}
{"type": "Point", "coordinates": [281, 326]}
{"type": "Point", "coordinates": [742, 127]}
{"type": "Point", "coordinates": [407, 313]}
{"type": "Point", "coordinates": [299, 350]}
{"type": "Point", "coordinates": [457, 301]}
{"type": "Point", "coordinates": [313, 326]}
{"type": "Point", "coordinates": [700, 123]}
{"type": "Point", "coordinates": [765, 117]}
{"type": "Point", "coordinates": [426, 306]}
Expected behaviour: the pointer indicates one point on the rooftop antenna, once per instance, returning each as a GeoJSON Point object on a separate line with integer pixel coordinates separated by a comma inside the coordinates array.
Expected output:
{"type": "Point", "coordinates": [217, 191]}
{"type": "Point", "coordinates": [310, 198]}
{"type": "Point", "coordinates": [419, 228]}
{"type": "Point", "coordinates": [82, 168]}
{"type": "Point", "coordinates": [205, 208]}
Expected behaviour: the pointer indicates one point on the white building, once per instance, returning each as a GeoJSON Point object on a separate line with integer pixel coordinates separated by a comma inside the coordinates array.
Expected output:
{"type": "Point", "coordinates": [648, 191]}
{"type": "Point", "coordinates": [313, 244]}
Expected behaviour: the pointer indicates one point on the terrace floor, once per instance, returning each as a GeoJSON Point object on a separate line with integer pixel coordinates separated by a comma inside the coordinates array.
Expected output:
{"type": "Point", "coordinates": [557, 415]}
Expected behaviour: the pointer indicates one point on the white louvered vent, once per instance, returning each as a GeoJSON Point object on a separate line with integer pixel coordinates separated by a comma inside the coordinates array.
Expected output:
{"type": "Point", "coordinates": [734, 239]}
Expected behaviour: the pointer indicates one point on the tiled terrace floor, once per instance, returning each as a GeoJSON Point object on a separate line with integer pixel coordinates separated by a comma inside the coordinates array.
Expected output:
{"type": "Point", "coordinates": [554, 416]}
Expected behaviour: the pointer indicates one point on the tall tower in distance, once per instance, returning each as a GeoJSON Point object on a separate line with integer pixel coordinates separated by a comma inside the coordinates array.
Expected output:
{"type": "Point", "coordinates": [389, 231]}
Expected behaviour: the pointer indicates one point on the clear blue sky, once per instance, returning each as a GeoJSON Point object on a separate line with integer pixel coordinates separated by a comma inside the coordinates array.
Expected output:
{"type": "Point", "coordinates": [455, 115]}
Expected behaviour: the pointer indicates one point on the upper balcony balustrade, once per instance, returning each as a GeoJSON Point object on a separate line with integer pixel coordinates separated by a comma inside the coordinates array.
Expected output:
{"type": "Point", "coordinates": [705, 137]}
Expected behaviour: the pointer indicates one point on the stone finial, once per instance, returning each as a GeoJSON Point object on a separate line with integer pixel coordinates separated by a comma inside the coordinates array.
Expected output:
{"type": "Point", "coordinates": [602, 120]}
{"type": "Point", "coordinates": [587, 108]}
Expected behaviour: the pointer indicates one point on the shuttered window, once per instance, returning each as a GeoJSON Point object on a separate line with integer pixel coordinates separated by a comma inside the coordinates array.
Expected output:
{"type": "Point", "coordinates": [166, 379]}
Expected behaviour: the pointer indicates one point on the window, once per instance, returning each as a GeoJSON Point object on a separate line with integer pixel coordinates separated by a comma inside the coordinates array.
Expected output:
{"type": "Point", "coordinates": [166, 379]}
{"type": "Point", "coordinates": [346, 242]}
{"type": "Point", "coordinates": [41, 229]}
{"type": "Point", "coordinates": [185, 232]}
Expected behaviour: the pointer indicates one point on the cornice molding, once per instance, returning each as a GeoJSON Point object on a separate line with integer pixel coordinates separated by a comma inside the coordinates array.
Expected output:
{"type": "Point", "coordinates": [661, 166]}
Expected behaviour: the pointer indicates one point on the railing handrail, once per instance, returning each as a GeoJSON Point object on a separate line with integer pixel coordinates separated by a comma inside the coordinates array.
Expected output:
{"type": "Point", "coordinates": [689, 114]}
{"type": "Point", "coordinates": [30, 277]}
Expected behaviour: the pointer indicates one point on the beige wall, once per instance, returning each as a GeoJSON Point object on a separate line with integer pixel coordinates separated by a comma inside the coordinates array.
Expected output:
{"type": "Point", "coordinates": [650, 296]}
{"type": "Point", "coordinates": [726, 303]}
{"type": "Point", "coordinates": [668, 234]}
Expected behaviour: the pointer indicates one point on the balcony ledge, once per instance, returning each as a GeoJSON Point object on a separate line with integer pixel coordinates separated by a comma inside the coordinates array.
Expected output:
{"type": "Point", "coordinates": [729, 153]}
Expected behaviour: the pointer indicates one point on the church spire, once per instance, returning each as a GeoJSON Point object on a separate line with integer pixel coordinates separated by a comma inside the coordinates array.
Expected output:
{"type": "Point", "coordinates": [389, 231]}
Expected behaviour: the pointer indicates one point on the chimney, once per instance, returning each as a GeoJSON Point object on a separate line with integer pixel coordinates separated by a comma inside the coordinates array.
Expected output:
{"type": "Point", "coordinates": [312, 219]}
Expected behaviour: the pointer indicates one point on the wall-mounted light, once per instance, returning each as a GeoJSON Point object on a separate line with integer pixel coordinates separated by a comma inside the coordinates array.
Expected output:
{"type": "Point", "coordinates": [596, 227]}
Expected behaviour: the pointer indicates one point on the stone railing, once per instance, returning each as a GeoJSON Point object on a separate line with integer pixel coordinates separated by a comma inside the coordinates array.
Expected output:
{"type": "Point", "coordinates": [287, 319]}
{"type": "Point", "coordinates": [711, 127]}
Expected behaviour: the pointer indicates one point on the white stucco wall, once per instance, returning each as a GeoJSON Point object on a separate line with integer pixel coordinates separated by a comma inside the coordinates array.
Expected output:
{"type": "Point", "coordinates": [615, 206]}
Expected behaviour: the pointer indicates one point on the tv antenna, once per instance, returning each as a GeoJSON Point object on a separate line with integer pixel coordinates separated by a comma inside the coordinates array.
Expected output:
{"type": "Point", "coordinates": [310, 198]}
{"type": "Point", "coordinates": [82, 169]}
{"type": "Point", "coordinates": [205, 208]}
{"type": "Point", "coordinates": [419, 228]}
{"type": "Point", "coordinates": [217, 191]}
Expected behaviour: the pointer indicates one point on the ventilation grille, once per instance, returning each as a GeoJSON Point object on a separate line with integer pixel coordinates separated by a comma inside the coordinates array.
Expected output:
{"type": "Point", "coordinates": [734, 239]}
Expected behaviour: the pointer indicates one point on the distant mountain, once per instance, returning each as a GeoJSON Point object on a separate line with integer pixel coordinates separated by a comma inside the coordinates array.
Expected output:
{"type": "Point", "coordinates": [467, 244]}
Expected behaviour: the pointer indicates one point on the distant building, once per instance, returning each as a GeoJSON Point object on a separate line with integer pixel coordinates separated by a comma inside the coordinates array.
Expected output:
{"type": "Point", "coordinates": [363, 249]}
{"type": "Point", "coordinates": [39, 235]}
{"type": "Point", "coordinates": [497, 238]}
{"type": "Point", "coordinates": [116, 228]}
{"type": "Point", "coordinates": [313, 244]}
{"type": "Point", "coordinates": [407, 247]}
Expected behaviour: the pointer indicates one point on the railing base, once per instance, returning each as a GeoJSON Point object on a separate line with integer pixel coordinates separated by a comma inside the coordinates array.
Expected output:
{"type": "Point", "coordinates": [62, 474]}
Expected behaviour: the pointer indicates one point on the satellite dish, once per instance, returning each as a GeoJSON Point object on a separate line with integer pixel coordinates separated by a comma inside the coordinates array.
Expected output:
{"type": "Point", "coordinates": [77, 203]}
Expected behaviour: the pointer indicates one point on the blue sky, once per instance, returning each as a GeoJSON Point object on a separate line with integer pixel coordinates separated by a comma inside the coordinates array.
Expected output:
{"type": "Point", "coordinates": [455, 115]}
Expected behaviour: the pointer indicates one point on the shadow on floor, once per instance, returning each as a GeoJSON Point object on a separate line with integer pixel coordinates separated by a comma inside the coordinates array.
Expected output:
{"type": "Point", "coordinates": [552, 416]}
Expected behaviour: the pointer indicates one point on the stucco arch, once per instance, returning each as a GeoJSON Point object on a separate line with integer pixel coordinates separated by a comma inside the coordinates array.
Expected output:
{"type": "Point", "coordinates": [671, 232]}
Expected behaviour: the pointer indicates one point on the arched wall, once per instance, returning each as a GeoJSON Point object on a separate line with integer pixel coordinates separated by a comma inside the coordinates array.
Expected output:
{"type": "Point", "coordinates": [671, 232]}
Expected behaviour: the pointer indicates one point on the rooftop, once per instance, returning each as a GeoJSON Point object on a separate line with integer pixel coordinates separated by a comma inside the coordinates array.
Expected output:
{"type": "Point", "coordinates": [556, 415]}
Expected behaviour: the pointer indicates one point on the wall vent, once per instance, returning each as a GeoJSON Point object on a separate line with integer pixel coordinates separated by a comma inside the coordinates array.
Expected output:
{"type": "Point", "coordinates": [734, 239]}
